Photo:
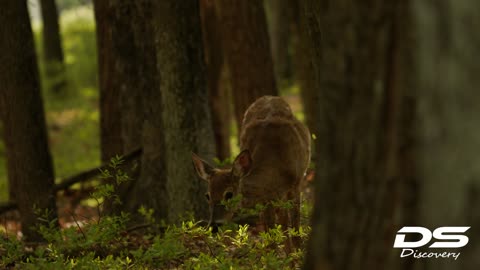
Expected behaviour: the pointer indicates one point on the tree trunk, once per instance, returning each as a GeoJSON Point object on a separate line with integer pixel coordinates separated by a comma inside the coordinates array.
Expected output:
{"type": "Point", "coordinates": [247, 51]}
{"type": "Point", "coordinates": [218, 92]}
{"type": "Point", "coordinates": [130, 100]}
{"type": "Point", "coordinates": [359, 66]}
{"type": "Point", "coordinates": [52, 46]}
{"type": "Point", "coordinates": [111, 142]}
{"type": "Point", "coordinates": [124, 74]}
{"type": "Point", "coordinates": [433, 92]}
{"type": "Point", "coordinates": [152, 178]}
{"type": "Point", "coordinates": [186, 116]}
{"type": "Point", "coordinates": [280, 17]}
{"type": "Point", "coordinates": [29, 164]}
{"type": "Point", "coordinates": [447, 92]}
{"type": "Point", "coordinates": [304, 72]}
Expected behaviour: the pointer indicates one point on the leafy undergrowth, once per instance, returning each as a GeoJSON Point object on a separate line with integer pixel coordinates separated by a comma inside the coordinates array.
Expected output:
{"type": "Point", "coordinates": [89, 239]}
{"type": "Point", "coordinates": [108, 244]}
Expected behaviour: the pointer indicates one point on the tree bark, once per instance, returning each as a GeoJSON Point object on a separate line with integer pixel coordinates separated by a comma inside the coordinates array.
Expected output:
{"type": "Point", "coordinates": [247, 51]}
{"type": "Point", "coordinates": [153, 175]}
{"type": "Point", "coordinates": [304, 71]}
{"type": "Point", "coordinates": [130, 101]}
{"type": "Point", "coordinates": [357, 186]}
{"type": "Point", "coordinates": [418, 171]}
{"type": "Point", "coordinates": [185, 112]}
{"type": "Point", "coordinates": [52, 46]}
{"type": "Point", "coordinates": [29, 164]}
{"type": "Point", "coordinates": [219, 98]}
{"type": "Point", "coordinates": [111, 142]}
{"type": "Point", "coordinates": [124, 74]}
{"type": "Point", "coordinates": [280, 15]}
{"type": "Point", "coordinates": [448, 114]}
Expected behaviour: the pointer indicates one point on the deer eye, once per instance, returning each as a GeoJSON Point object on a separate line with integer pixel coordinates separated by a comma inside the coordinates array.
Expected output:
{"type": "Point", "coordinates": [228, 195]}
{"type": "Point", "coordinates": [207, 196]}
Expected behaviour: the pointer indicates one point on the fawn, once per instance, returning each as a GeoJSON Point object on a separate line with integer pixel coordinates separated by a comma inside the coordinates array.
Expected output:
{"type": "Point", "coordinates": [274, 158]}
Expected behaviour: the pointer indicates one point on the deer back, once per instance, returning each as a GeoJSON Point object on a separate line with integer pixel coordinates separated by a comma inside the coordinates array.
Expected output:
{"type": "Point", "coordinates": [280, 150]}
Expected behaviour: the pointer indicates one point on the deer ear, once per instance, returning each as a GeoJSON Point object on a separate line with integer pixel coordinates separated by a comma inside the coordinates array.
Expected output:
{"type": "Point", "coordinates": [203, 169]}
{"type": "Point", "coordinates": [242, 164]}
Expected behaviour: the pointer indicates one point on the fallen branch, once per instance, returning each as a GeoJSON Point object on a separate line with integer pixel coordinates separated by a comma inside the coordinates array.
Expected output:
{"type": "Point", "coordinates": [78, 178]}
{"type": "Point", "coordinates": [7, 206]}
{"type": "Point", "coordinates": [91, 173]}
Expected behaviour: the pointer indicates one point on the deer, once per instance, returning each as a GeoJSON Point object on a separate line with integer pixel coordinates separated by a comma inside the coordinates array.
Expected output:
{"type": "Point", "coordinates": [272, 163]}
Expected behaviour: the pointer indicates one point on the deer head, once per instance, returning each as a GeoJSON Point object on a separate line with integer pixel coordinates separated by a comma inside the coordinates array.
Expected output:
{"type": "Point", "coordinates": [222, 185]}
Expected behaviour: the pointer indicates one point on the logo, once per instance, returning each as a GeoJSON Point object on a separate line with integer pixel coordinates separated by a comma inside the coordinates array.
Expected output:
{"type": "Point", "coordinates": [444, 237]}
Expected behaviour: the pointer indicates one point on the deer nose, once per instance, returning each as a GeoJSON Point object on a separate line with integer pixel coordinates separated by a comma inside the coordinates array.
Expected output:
{"type": "Point", "coordinates": [211, 222]}
{"type": "Point", "coordinates": [215, 225]}
{"type": "Point", "coordinates": [217, 213]}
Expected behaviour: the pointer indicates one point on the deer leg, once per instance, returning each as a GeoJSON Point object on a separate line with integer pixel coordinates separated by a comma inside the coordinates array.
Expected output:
{"type": "Point", "coordinates": [283, 219]}
{"type": "Point", "coordinates": [294, 217]}
{"type": "Point", "coordinates": [268, 218]}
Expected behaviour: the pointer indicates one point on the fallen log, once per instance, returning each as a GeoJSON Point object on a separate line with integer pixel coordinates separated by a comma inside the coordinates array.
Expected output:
{"type": "Point", "coordinates": [77, 178]}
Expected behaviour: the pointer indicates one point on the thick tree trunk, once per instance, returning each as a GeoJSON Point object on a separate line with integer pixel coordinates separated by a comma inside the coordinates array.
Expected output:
{"type": "Point", "coordinates": [29, 164]}
{"type": "Point", "coordinates": [186, 116]}
{"type": "Point", "coordinates": [129, 99]}
{"type": "Point", "coordinates": [124, 74]}
{"type": "Point", "coordinates": [419, 171]}
{"type": "Point", "coordinates": [359, 64]}
{"type": "Point", "coordinates": [153, 175]}
{"type": "Point", "coordinates": [218, 92]}
{"type": "Point", "coordinates": [247, 51]}
{"type": "Point", "coordinates": [52, 46]}
{"type": "Point", "coordinates": [447, 92]}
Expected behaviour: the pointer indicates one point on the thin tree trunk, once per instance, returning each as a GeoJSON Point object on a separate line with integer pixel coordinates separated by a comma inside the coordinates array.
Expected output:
{"type": "Point", "coordinates": [52, 46]}
{"type": "Point", "coordinates": [247, 51]}
{"type": "Point", "coordinates": [279, 28]}
{"type": "Point", "coordinates": [218, 93]}
{"type": "Point", "coordinates": [29, 164]}
{"type": "Point", "coordinates": [186, 117]}
{"type": "Point", "coordinates": [304, 72]}
{"type": "Point", "coordinates": [111, 142]}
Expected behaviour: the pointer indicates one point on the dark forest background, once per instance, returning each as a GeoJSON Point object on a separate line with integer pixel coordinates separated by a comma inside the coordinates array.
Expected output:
{"type": "Point", "coordinates": [103, 101]}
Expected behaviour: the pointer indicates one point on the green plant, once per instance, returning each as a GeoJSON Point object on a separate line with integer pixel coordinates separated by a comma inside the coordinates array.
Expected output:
{"type": "Point", "coordinates": [11, 251]}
